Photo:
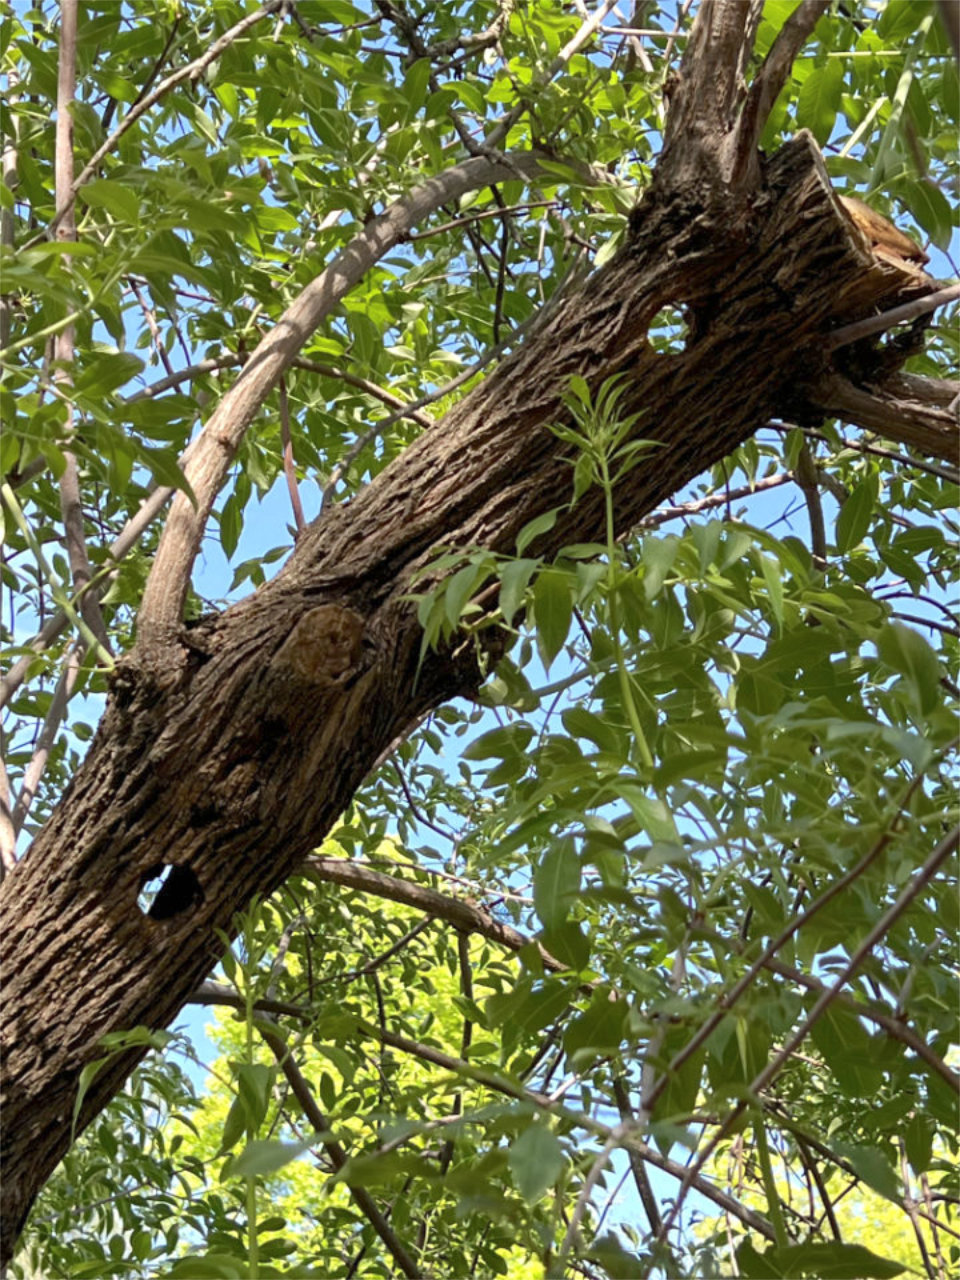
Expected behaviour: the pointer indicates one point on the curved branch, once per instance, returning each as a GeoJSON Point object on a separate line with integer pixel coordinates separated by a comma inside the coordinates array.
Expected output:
{"type": "Point", "coordinates": [214, 449]}
{"type": "Point", "coordinates": [455, 911]}
{"type": "Point", "coordinates": [771, 78]}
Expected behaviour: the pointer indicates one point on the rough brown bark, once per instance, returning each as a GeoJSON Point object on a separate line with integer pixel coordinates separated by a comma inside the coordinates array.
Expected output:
{"type": "Point", "coordinates": [232, 756]}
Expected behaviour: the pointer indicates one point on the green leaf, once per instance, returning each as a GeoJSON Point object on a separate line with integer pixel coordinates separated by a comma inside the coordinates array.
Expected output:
{"type": "Point", "coordinates": [855, 514]}
{"type": "Point", "coordinates": [234, 1126]}
{"type": "Point", "coordinates": [165, 469]}
{"type": "Point", "coordinates": [231, 525]}
{"type": "Point", "coordinates": [209, 1266]}
{"type": "Point", "coordinates": [415, 86]}
{"type": "Point", "coordinates": [534, 528]}
{"type": "Point", "coordinates": [819, 99]}
{"type": "Point", "coordinates": [107, 372]}
{"type": "Point", "coordinates": [658, 557]}
{"type": "Point", "coordinates": [265, 1156]}
{"type": "Point", "coordinates": [459, 590]}
{"type": "Point", "coordinates": [872, 1166]}
{"type": "Point", "coordinates": [515, 575]}
{"type": "Point", "coordinates": [930, 207]}
{"type": "Point", "coordinates": [553, 612]}
{"type": "Point", "coordinates": [254, 1083]}
{"type": "Point", "coordinates": [906, 651]}
{"type": "Point", "coordinates": [117, 199]}
{"type": "Point", "coordinates": [918, 1141]}
{"type": "Point", "coordinates": [771, 571]}
{"type": "Point", "coordinates": [651, 812]}
{"type": "Point", "coordinates": [536, 1160]}
{"type": "Point", "coordinates": [508, 740]}
{"type": "Point", "coordinates": [556, 882]}
{"type": "Point", "coordinates": [569, 944]}
{"type": "Point", "coordinates": [833, 1260]}
{"type": "Point", "coordinates": [581, 723]}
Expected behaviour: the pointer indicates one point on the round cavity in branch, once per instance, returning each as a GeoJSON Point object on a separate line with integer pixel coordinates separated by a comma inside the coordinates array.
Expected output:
{"type": "Point", "coordinates": [168, 890]}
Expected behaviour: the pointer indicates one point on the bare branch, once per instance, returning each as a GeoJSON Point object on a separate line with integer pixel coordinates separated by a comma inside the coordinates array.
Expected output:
{"type": "Point", "coordinates": [807, 479]}
{"type": "Point", "coordinates": [771, 78]}
{"type": "Point", "coordinates": [696, 505]}
{"type": "Point", "coordinates": [8, 839]}
{"type": "Point", "coordinates": [289, 465]}
{"type": "Point", "coordinates": [930, 430]}
{"type": "Point", "coordinates": [899, 315]}
{"type": "Point", "coordinates": [456, 911]}
{"type": "Point", "coordinates": [337, 1155]}
{"type": "Point", "coordinates": [55, 716]}
{"type": "Point", "coordinates": [214, 449]}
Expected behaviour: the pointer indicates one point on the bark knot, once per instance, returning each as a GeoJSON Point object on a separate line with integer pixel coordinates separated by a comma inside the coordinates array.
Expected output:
{"type": "Point", "coordinates": [324, 646]}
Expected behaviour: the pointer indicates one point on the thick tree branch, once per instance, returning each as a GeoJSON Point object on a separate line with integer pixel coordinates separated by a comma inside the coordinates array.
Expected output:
{"type": "Point", "coordinates": [704, 98]}
{"type": "Point", "coordinates": [895, 411]}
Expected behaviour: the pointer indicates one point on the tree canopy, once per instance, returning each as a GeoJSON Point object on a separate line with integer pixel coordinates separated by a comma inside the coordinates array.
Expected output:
{"type": "Point", "coordinates": [478, 495]}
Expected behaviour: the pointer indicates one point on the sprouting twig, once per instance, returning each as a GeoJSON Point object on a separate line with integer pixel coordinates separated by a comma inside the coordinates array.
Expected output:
{"type": "Point", "coordinates": [289, 466]}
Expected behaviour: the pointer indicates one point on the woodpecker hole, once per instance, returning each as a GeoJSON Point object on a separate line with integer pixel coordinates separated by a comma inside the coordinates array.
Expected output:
{"type": "Point", "coordinates": [168, 890]}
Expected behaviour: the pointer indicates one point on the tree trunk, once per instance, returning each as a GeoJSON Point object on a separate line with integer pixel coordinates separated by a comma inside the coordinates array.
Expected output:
{"type": "Point", "coordinates": [230, 756]}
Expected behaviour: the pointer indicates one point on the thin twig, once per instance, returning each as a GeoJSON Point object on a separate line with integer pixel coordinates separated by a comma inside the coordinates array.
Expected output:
{"type": "Point", "coordinates": [152, 325]}
{"type": "Point", "coordinates": [806, 477]}
{"type": "Point", "coordinates": [947, 846]}
{"type": "Point", "coordinates": [335, 1152]}
{"type": "Point", "coordinates": [289, 466]}
{"type": "Point", "coordinates": [696, 505]}
{"type": "Point", "coordinates": [468, 218]}
{"type": "Point", "coordinates": [192, 71]}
